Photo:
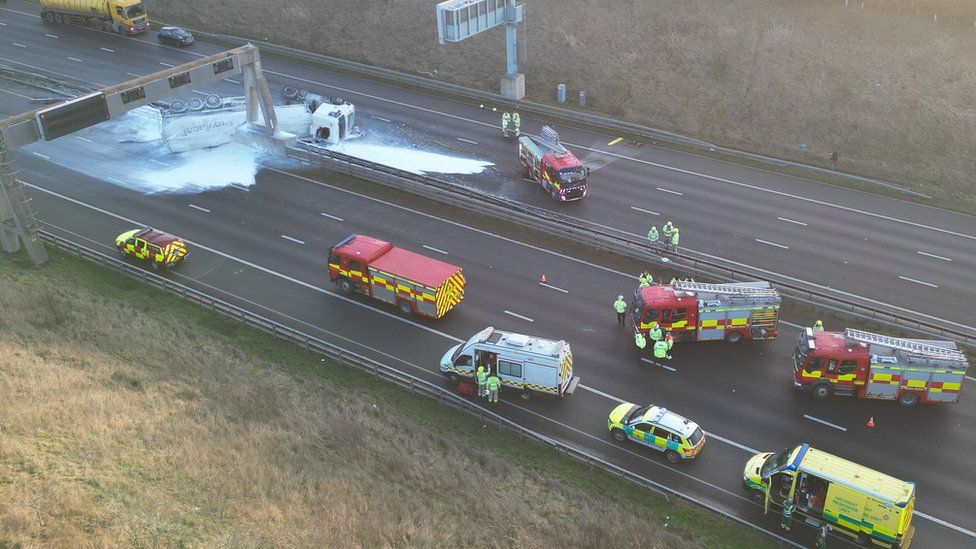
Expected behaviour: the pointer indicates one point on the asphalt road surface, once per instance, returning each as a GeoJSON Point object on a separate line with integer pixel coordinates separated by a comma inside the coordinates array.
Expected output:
{"type": "Point", "coordinates": [264, 247]}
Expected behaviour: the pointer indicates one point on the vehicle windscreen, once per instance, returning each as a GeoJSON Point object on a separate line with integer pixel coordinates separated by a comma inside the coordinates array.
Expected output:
{"type": "Point", "coordinates": [572, 175]}
{"type": "Point", "coordinates": [802, 350]}
{"type": "Point", "coordinates": [466, 345]}
{"type": "Point", "coordinates": [135, 11]}
{"type": "Point", "coordinates": [695, 437]}
{"type": "Point", "coordinates": [639, 412]}
{"type": "Point", "coordinates": [775, 461]}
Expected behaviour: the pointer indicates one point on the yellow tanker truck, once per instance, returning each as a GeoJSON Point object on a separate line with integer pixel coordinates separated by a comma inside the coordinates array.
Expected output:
{"type": "Point", "coordinates": [119, 16]}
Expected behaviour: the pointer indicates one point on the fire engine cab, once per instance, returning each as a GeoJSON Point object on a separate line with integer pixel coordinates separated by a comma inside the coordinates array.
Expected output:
{"type": "Point", "coordinates": [696, 311]}
{"type": "Point", "coordinates": [868, 365]}
{"type": "Point", "coordinates": [556, 169]}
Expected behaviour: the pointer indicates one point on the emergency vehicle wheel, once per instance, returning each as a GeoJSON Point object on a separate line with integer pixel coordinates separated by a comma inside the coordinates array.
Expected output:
{"type": "Point", "coordinates": [672, 456]}
{"type": "Point", "coordinates": [405, 307]}
{"type": "Point", "coordinates": [552, 194]}
{"type": "Point", "coordinates": [908, 399]}
{"type": "Point", "coordinates": [453, 379]}
{"type": "Point", "coordinates": [121, 252]}
{"type": "Point", "coordinates": [821, 390]}
{"type": "Point", "coordinates": [525, 394]}
{"type": "Point", "coordinates": [155, 266]}
{"type": "Point", "coordinates": [733, 337]}
{"type": "Point", "coordinates": [345, 286]}
{"type": "Point", "coordinates": [618, 435]}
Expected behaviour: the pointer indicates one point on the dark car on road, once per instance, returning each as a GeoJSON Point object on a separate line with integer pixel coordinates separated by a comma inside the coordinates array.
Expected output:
{"type": "Point", "coordinates": [174, 36]}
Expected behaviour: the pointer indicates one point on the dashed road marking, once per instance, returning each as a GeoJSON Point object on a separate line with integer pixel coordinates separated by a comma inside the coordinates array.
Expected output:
{"type": "Point", "coordinates": [51, 35]}
{"type": "Point", "coordinates": [662, 189]}
{"type": "Point", "coordinates": [166, 64]}
{"type": "Point", "coordinates": [732, 443]}
{"type": "Point", "coordinates": [971, 378]}
{"type": "Point", "coordinates": [18, 45]}
{"type": "Point", "coordinates": [433, 249]}
{"type": "Point", "coordinates": [827, 423]}
{"type": "Point", "coordinates": [516, 315]}
{"type": "Point", "coordinates": [467, 140]}
{"type": "Point", "coordinates": [295, 240]}
{"type": "Point", "coordinates": [601, 393]}
{"type": "Point", "coordinates": [76, 59]}
{"type": "Point", "coordinates": [643, 210]}
{"type": "Point", "coordinates": [231, 81]}
{"type": "Point", "coordinates": [943, 258]}
{"type": "Point", "coordinates": [107, 49]}
{"type": "Point", "coordinates": [85, 139]}
{"type": "Point", "coordinates": [768, 243]}
{"type": "Point", "coordinates": [323, 214]}
{"type": "Point", "coordinates": [134, 74]}
{"type": "Point", "coordinates": [959, 529]}
{"type": "Point", "coordinates": [655, 363]}
{"type": "Point", "coordinates": [917, 281]}
{"type": "Point", "coordinates": [554, 288]}
{"type": "Point", "coordinates": [615, 141]}
{"type": "Point", "coordinates": [793, 221]}
{"type": "Point", "coordinates": [195, 207]}
{"type": "Point", "coordinates": [200, 92]}
{"type": "Point", "coordinates": [44, 156]}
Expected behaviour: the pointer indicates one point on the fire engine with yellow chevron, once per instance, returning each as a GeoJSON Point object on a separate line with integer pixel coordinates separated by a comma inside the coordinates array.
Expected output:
{"type": "Point", "coordinates": [697, 311]}
{"type": "Point", "coordinates": [414, 283]}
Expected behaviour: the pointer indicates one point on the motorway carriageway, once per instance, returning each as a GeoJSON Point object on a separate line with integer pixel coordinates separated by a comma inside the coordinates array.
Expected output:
{"type": "Point", "coordinates": [914, 257]}
{"type": "Point", "coordinates": [264, 247]}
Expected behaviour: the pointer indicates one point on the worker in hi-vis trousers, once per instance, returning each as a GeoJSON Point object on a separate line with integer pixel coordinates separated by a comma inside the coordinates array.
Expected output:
{"type": "Point", "coordinates": [517, 122]}
{"type": "Point", "coordinates": [506, 120]}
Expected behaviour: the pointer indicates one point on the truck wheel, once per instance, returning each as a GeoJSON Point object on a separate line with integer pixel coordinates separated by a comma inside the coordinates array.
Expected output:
{"type": "Point", "coordinates": [405, 307]}
{"type": "Point", "coordinates": [552, 194]}
{"type": "Point", "coordinates": [345, 286]}
{"type": "Point", "coordinates": [672, 456]}
{"type": "Point", "coordinates": [908, 399]}
{"type": "Point", "coordinates": [618, 435]}
{"type": "Point", "coordinates": [821, 390]}
{"type": "Point", "coordinates": [733, 337]}
{"type": "Point", "coordinates": [453, 378]}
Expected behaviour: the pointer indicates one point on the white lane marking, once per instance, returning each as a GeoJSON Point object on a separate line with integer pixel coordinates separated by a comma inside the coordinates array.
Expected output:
{"type": "Point", "coordinates": [85, 139]}
{"type": "Point", "coordinates": [255, 266]}
{"type": "Point", "coordinates": [387, 120]}
{"type": "Point", "coordinates": [761, 241]}
{"type": "Point", "coordinates": [516, 315]}
{"type": "Point", "coordinates": [670, 191]}
{"type": "Point", "coordinates": [166, 64]}
{"type": "Point", "coordinates": [433, 249]}
{"type": "Point", "coordinates": [331, 216]}
{"type": "Point", "coordinates": [732, 443]}
{"type": "Point", "coordinates": [935, 256]}
{"type": "Point", "coordinates": [551, 287]}
{"type": "Point", "coordinates": [601, 393]}
{"type": "Point", "coordinates": [50, 35]}
{"type": "Point", "coordinates": [18, 45]}
{"type": "Point", "coordinates": [107, 49]}
{"type": "Point", "coordinates": [75, 59]}
{"type": "Point", "coordinates": [638, 160]}
{"type": "Point", "coordinates": [793, 221]}
{"type": "Point", "coordinates": [917, 281]}
{"type": "Point", "coordinates": [654, 363]}
{"type": "Point", "coordinates": [3, 24]}
{"type": "Point", "coordinates": [959, 529]}
{"type": "Point", "coordinates": [195, 207]}
{"type": "Point", "coordinates": [44, 156]}
{"type": "Point", "coordinates": [134, 74]}
{"type": "Point", "coordinates": [827, 423]}
{"type": "Point", "coordinates": [286, 237]}
{"type": "Point", "coordinates": [643, 210]}
{"type": "Point", "coordinates": [444, 335]}
{"type": "Point", "coordinates": [467, 140]}
{"type": "Point", "coordinates": [154, 161]}
{"type": "Point", "coordinates": [231, 81]}
{"type": "Point", "coordinates": [971, 378]}
{"type": "Point", "coordinates": [200, 92]}
{"type": "Point", "coordinates": [17, 94]}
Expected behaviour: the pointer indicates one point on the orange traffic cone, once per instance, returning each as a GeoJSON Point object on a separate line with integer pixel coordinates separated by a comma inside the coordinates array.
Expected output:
{"type": "Point", "coordinates": [543, 280]}
{"type": "Point", "coordinates": [871, 423]}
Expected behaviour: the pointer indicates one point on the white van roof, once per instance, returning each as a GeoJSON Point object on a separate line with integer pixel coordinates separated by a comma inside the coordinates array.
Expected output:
{"type": "Point", "coordinates": [523, 343]}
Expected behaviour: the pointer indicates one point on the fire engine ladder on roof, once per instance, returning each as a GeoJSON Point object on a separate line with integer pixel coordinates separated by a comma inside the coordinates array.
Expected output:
{"type": "Point", "coordinates": [729, 289]}
{"type": "Point", "coordinates": [913, 347]}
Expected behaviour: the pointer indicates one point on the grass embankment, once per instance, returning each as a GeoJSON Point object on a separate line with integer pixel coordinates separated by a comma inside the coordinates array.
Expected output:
{"type": "Point", "coordinates": [130, 417]}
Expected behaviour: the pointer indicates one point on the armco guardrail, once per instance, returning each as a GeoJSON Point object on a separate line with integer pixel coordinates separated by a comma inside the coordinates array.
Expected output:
{"type": "Point", "coordinates": [545, 111]}
{"type": "Point", "coordinates": [380, 371]}
{"type": "Point", "coordinates": [608, 238]}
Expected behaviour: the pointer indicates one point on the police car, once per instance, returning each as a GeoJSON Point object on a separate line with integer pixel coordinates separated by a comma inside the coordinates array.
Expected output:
{"type": "Point", "coordinates": [159, 248]}
{"type": "Point", "coordinates": [659, 428]}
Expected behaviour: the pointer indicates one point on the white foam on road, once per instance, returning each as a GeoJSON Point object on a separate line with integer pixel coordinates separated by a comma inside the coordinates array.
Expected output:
{"type": "Point", "coordinates": [411, 159]}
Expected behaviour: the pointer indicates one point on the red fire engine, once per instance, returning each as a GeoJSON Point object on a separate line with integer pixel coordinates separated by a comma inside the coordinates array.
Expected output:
{"type": "Point", "coordinates": [868, 365]}
{"type": "Point", "coordinates": [696, 311]}
{"type": "Point", "coordinates": [548, 163]}
{"type": "Point", "coordinates": [413, 282]}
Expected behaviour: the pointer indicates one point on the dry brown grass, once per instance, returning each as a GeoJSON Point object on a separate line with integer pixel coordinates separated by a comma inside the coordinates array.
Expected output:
{"type": "Point", "coordinates": [121, 428]}
{"type": "Point", "coordinates": [887, 85]}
